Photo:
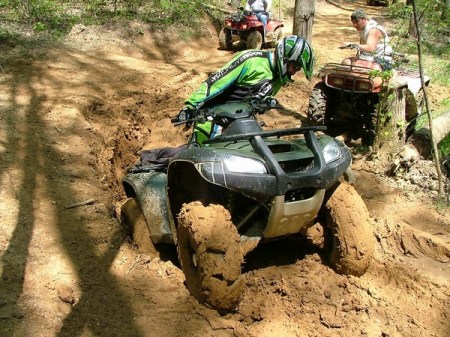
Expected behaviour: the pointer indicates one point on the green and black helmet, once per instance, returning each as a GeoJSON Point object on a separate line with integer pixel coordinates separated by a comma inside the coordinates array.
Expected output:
{"type": "Point", "coordinates": [295, 49]}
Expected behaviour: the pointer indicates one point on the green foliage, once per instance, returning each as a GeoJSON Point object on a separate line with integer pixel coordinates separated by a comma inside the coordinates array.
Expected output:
{"type": "Point", "coordinates": [40, 14]}
{"type": "Point", "coordinates": [423, 119]}
{"type": "Point", "coordinates": [444, 147]}
{"type": "Point", "coordinates": [438, 68]}
{"type": "Point", "coordinates": [59, 16]}
{"type": "Point", "coordinates": [6, 36]}
{"type": "Point", "coordinates": [433, 26]}
{"type": "Point", "coordinates": [185, 13]}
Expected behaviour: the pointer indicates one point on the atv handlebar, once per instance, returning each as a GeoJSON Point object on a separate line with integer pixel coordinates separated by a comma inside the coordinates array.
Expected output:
{"type": "Point", "coordinates": [200, 115]}
{"type": "Point", "coordinates": [399, 57]}
{"type": "Point", "coordinates": [349, 46]}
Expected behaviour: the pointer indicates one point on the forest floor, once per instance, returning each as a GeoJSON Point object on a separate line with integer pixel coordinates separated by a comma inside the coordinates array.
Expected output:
{"type": "Point", "coordinates": [73, 118]}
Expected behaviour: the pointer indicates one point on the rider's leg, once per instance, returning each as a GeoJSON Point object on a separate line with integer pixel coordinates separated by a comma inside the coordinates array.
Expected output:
{"type": "Point", "coordinates": [263, 18]}
{"type": "Point", "coordinates": [349, 61]}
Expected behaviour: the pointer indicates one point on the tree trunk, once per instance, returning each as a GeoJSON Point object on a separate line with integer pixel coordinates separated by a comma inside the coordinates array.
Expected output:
{"type": "Point", "coordinates": [445, 9]}
{"type": "Point", "coordinates": [303, 19]}
{"type": "Point", "coordinates": [412, 30]}
{"type": "Point", "coordinates": [391, 123]}
{"type": "Point", "coordinates": [419, 144]}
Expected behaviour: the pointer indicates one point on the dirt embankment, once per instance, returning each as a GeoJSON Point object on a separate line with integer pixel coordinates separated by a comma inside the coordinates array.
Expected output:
{"type": "Point", "coordinates": [74, 120]}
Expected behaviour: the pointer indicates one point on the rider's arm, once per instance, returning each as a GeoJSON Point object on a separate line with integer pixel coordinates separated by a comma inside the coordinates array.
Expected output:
{"type": "Point", "coordinates": [218, 82]}
{"type": "Point", "coordinates": [247, 7]}
{"type": "Point", "coordinates": [372, 41]}
{"type": "Point", "coordinates": [268, 4]}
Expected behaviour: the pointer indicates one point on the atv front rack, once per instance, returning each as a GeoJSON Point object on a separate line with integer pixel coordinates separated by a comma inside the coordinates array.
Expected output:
{"type": "Point", "coordinates": [265, 134]}
{"type": "Point", "coordinates": [319, 176]}
{"type": "Point", "coordinates": [348, 78]}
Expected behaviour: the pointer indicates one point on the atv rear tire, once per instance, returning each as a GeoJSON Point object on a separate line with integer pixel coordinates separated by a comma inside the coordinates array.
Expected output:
{"type": "Point", "coordinates": [225, 41]}
{"type": "Point", "coordinates": [210, 255]}
{"type": "Point", "coordinates": [135, 226]}
{"type": "Point", "coordinates": [254, 40]}
{"type": "Point", "coordinates": [349, 238]}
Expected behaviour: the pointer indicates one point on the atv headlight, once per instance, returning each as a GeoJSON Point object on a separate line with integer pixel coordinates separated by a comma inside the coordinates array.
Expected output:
{"type": "Point", "coordinates": [331, 152]}
{"type": "Point", "coordinates": [363, 86]}
{"type": "Point", "coordinates": [244, 165]}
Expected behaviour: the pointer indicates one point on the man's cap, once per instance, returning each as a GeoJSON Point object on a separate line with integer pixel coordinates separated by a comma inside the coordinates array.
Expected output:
{"type": "Point", "coordinates": [358, 14]}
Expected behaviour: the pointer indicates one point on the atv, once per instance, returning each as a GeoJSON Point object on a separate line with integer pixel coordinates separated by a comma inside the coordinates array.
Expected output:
{"type": "Point", "coordinates": [385, 3]}
{"type": "Point", "coordinates": [218, 200]}
{"type": "Point", "coordinates": [346, 98]}
{"type": "Point", "coordinates": [244, 27]}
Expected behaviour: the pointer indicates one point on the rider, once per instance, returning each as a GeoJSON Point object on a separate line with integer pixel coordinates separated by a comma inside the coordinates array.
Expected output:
{"type": "Point", "coordinates": [261, 8]}
{"type": "Point", "coordinates": [373, 40]}
{"type": "Point", "coordinates": [254, 74]}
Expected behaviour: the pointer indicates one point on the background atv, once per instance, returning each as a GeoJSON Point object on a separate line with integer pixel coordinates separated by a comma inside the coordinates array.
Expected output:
{"type": "Point", "coordinates": [217, 201]}
{"type": "Point", "coordinates": [385, 3]}
{"type": "Point", "coordinates": [245, 28]}
{"type": "Point", "coordinates": [346, 98]}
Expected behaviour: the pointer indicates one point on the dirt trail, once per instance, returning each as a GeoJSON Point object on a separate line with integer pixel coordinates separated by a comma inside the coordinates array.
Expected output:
{"type": "Point", "coordinates": [73, 119]}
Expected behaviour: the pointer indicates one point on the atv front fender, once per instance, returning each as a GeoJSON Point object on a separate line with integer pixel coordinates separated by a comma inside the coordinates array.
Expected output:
{"type": "Point", "coordinates": [149, 188]}
{"type": "Point", "coordinates": [410, 81]}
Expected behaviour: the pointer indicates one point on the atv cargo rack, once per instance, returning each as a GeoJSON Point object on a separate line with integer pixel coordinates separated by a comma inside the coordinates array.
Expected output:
{"type": "Point", "coordinates": [348, 78]}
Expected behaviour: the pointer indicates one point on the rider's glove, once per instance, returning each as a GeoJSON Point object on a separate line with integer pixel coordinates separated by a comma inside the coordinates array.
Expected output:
{"type": "Point", "coordinates": [262, 105]}
{"type": "Point", "coordinates": [270, 102]}
{"type": "Point", "coordinates": [184, 115]}
{"type": "Point", "coordinates": [349, 45]}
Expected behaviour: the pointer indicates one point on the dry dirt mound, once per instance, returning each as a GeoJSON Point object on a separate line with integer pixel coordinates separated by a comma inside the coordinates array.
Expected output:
{"type": "Point", "coordinates": [70, 125]}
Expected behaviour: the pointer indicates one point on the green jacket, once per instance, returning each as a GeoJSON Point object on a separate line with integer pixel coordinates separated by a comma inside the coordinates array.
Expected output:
{"type": "Point", "coordinates": [249, 74]}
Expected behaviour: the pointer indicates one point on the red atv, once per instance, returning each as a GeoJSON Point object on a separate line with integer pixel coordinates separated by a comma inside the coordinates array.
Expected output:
{"type": "Point", "coordinates": [244, 26]}
{"type": "Point", "coordinates": [346, 98]}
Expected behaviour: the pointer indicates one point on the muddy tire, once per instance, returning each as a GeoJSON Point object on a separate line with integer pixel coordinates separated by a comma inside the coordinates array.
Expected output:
{"type": "Point", "coordinates": [210, 255]}
{"type": "Point", "coordinates": [369, 131]}
{"type": "Point", "coordinates": [317, 106]}
{"type": "Point", "coordinates": [277, 35]}
{"type": "Point", "coordinates": [349, 236]}
{"type": "Point", "coordinates": [254, 40]}
{"type": "Point", "coordinates": [225, 41]}
{"type": "Point", "coordinates": [135, 226]}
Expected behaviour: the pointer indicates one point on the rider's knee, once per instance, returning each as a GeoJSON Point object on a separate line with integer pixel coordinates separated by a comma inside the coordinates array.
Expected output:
{"type": "Point", "coordinates": [347, 61]}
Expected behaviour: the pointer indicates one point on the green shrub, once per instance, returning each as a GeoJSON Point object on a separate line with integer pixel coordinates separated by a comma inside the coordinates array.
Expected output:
{"type": "Point", "coordinates": [432, 23]}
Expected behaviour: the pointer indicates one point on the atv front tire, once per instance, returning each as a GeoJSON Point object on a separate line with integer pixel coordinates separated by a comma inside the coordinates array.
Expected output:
{"type": "Point", "coordinates": [317, 106]}
{"type": "Point", "coordinates": [210, 255]}
{"type": "Point", "coordinates": [135, 226]}
{"type": "Point", "coordinates": [254, 40]}
{"type": "Point", "coordinates": [277, 35]}
{"type": "Point", "coordinates": [349, 236]}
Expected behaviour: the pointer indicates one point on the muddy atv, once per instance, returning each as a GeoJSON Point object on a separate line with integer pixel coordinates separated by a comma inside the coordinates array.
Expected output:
{"type": "Point", "coordinates": [346, 98]}
{"type": "Point", "coordinates": [244, 28]}
{"type": "Point", "coordinates": [217, 201]}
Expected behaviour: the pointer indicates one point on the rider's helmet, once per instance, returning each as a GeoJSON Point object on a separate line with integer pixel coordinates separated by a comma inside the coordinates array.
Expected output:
{"type": "Point", "coordinates": [295, 49]}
